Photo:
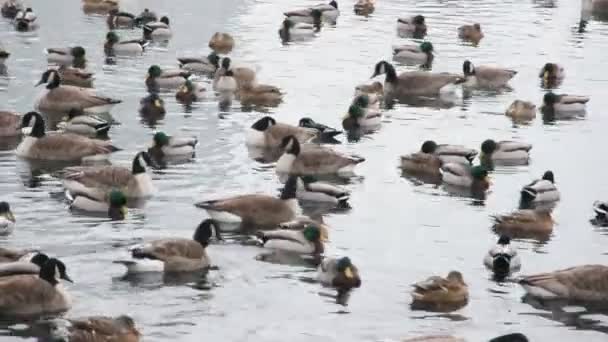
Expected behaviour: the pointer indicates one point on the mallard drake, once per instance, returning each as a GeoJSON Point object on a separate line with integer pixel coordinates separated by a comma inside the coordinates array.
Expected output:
{"type": "Point", "coordinates": [552, 73]}
{"type": "Point", "coordinates": [152, 108]}
{"type": "Point", "coordinates": [502, 259]}
{"type": "Point", "coordinates": [524, 223]}
{"type": "Point", "coordinates": [563, 106]}
{"type": "Point", "coordinates": [267, 132]}
{"type": "Point", "coordinates": [449, 153]}
{"type": "Point", "coordinates": [25, 20]}
{"type": "Point", "coordinates": [190, 92]}
{"type": "Point", "coordinates": [465, 176]}
{"type": "Point", "coordinates": [505, 152]}
{"type": "Point", "coordinates": [365, 7]}
{"type": "Point", "coordinates": [242, 75]}
{"type": "Point", "coordinates": [174, 254]}
{"type": "Point", "coordinates": [58, 147]}
{"type": "Point", "coordinates": [206, 65]}
{"type": "Point", "coordinates": [12, 255]}
{"type": "Point", "coordinates": [165, 146]}
{"type": "Point", "coordinates": [59, 98]}
{"type": "Point", "coordinates": [75, 77]}
{"type": "Point", "coordinates": [325, 134]}
{"type": "Point", "coordinates": [310, 189]}
{"type": "Point", "coordinates": [113, 47]}
{"type": "Point", "coordinates": [255, 209]}
{"type": "Point", "coordinates": [540, 191]}
{"type": "Point", "coordinates": [72, 56]}
{"type": "Point", "coordinates": [306, 241]}
{"type": "Point", "coordinates": [361, 114]}
{"type": "Point", "coordinates": [88, 125]}
{"type": "Point", "coordinates": [301, 222]}
{"type": "Point", "coordinates": [470, 32]}
{"type": "Point", "coordinates": [260, 95]}
{"type": "Point", "coordinates": [10, 124]}
{"type": "Point", "coordinates": [339, 273]}
{"type": "Point", "coordinates": [18, 267]}
{"type": "Point", "coordinates": [521, 110]}
{"type": "Point", "coordinates": [33, 295]}
{"type": "Point", "coordinates": [485, 76]}
{"type": "Point", "coordinates": [412, 54]}
{"type": "Point", "coordinates": [7, 220]}
{"type": "Point", "coordinates": [438, 291]}
{"type": "Point", "coordinates": [114, 205]}
{"type": "Point", "coordinates": [117, 19]}
{"type": "Point", "coordinates": [10, 8]}
{"type": "Point", "coordinates": [96, 182]}
{"type": "Point", "coordinates": [158, 79]}
{"type": "Point", "coordinates": [587, 283]}
{"type": "Point", "coordinates": [99, 6]}
{"type": "Point", "coordinates": [95, 329]}
{"type": "Point", "coordinates": [221, 43]}
{"type": "Point", "coordinates": [415, 83]}
{"type": "Point", "coordinates": [313, 161]}
{"type": "Point", "coordinates": [292, 31]}
{"type": "Point", "coordinates": [158, 30]}
{"type": "Point", "coordinates": [375, 88]}
{"type": "Point", "coordinates": [411, 26]}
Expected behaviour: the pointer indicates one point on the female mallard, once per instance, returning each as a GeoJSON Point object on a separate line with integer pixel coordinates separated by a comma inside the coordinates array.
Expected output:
{"type": "Point", "coordinates": [325, 134]}
{"type": "Point", "coordinates": [114, 206]}
{"type": "Point", "coordinates": [563, 106]}
{"type": "Point", "coordinates": [96, 329]}
{"type": "Point", "coordinates": [441, 292]}
{"type": "Point", "coordinates": [414, 27]}
{"type": "Point", "coordinates": [307, 241]}
{"type": "Point", "coordinates": [206, 65]}
{"type": "Point", "coordinates": [524, 223]}
{"type": "Point", "coordinates": [190, 92]}
{"type": "Point", "coordinates": [267, 132]}
{"type": "Point", "coordinates": [314, 160]}
{"type": "Point", "coordinates": [588, 283]}
{"type": "Point", "coordinates": [361, 114]}
{"type": "Point", "coordinates": [465, 176]}
{"type": "Point", "coordinates": [10, 124]}
{"type": "Point", "coordinates": [7, 220]}
{"type": "Point", "coordinates": [540, 191]}
{"type": "Point", "coordinates": [72, 56]}
{"type": "Point", "coordinates": [167, 147]}
{"type": "Point", "coordinates": [487, 77]}
{"type": "Point", "coordinates": [339, 273]}
{"type": "Point", "coordinates": [172, 255]}
{"type": "Point", "coordinates": [114, 47]}
{"type": "Point", "coordinates": [309, 189]}
{"type": "Point", "coordinates": [260, 95]}
{"type": "Point", "coordinates": [77, 122]}
{"type": "Point", "coordinates": [502, 259]}
{"type": "Point", "coordinates": [158, 79]}
{"type": "Point", "coordinates": [507, 152]}
{"type": "Point", "coordinates": [471, 33]}
{"type": "Point", "coordinates": [449, 153]}
{"type": "Point", "coordinates": [291, 31]}
{"type": "Point", "coordinates": [521, 110]}
{"type": "Point", "coordinates": [364, 7]}
{"type": "Point", "coordinates": [59, 98]}
{"type": "Point", "coordinates": [421, 163]}
{"type": "Point", "coordinates": [58, 147]}
{"type": "Point", "coordinates": [158, 30]}
{"type": "Point", "coordinates": [10, 8]}
{"type": "Point", "coordinates": [256, 209]}
{"type": "Point", "coordinates": [552, 73]}
{"type": "Point", "coordinates": [75, 77]}
{"type": "Point", "coordinates": [412, 54]}
{"type": "Point", "coordinates": [98, 181]}
{"type": "Point", "coordinates": [221, 43]}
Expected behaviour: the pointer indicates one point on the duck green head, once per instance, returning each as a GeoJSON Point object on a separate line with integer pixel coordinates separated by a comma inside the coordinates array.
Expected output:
{"type": "Point", "coordinates": [117, 198]}
{"type": "Point", "coordinates": [362, 101]}
{"type": "Point", "coordinates": [345, 266]}
{"type": "Point", "coordinates": [161, 139]}
{"type": "Point", "coordinates": [426, 47]}
{"type": "Point", "coordinates": [112, 37]}
{"type": "Point", "coordinates": [308, 179]}
{"type": "Point", "coordinates": [355, 111]}
{"type": "Point", "coordinates": [154, 71]}
{"type": "Point", "coordinates": [312, 233]}
{"type": "Point", "coordinates": [78, 52]}
{"type": "Point", "coordinates": [479, 172]}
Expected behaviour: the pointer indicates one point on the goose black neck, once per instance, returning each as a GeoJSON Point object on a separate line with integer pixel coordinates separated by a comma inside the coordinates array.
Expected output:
{"type": "Point", "coordinates": [289, 191]}
{"type": "Point", "coordinates": [56, 82]}
{"type": "Point", "coordinates": [137, 167]}
{"type": "Point", "coordinates": [295, 147]}
{"type": "Point", "coordinates": [38, 127]}
{"type": "Point", "coordinates": [391, 74]}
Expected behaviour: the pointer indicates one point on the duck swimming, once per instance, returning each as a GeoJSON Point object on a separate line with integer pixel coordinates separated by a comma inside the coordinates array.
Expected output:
{"type": "Point", "coordinates": [439, 293]}
{"type": "Point", "coordinates": [114, 47]}
{"type": "Point", "coordinates": [502, 259]}
{"type": "Point", "coordinates": [114, 206]}
{"type": "Point", "coordinates": [221, 43]}
{"type": "Point", "coordinates": [412, 54]}
{"type": "Point", "coordinates": [307, 241]}
{"type": "Point", "coordinates": [540, 191]}
{"type": "Point", "coordinates": [72, 56]}
{"type": "Point", "coordinates": [505, 152]}
{"type": "Point", "coordinates": [563, 106]}
{"type": "Point", "coordinates": [470, 33]}
{"type": "Point", "coordinates": [96, 329]}
{"type": "Point", "coordinates": [206, 65]}
{"type": "Point", "coordinates": [339, 273]}
{"type": "Point", "coordinates": [414, 27]}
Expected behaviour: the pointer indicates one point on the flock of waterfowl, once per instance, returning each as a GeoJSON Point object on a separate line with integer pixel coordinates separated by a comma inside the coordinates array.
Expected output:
{"type": "Point", "coordinates": [30, 281]}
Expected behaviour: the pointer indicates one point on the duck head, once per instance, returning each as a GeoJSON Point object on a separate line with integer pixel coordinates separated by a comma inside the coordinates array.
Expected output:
{"type": "Point", "coordinates": [312, 233]}
{"type": "Point", "coordinates": [226, 63]}
{"type": "Point", "coordinates": [264, 123]}
{"type": "Point", "coordinates": [117, 205]}
{"type": "Point", "coordinates": [550, 99]}
{"type": "Point", "coordinates": [160, 139]}
{"type": "Point", "coordinates": [112, 38]}
{"type": "Point", "coordinates": [51, 78]}
{"type": "Point", "coordinates": [154, 71]}
{"type": "Point", "coordinates": [334, 4]}
{"type": "Point", "coordinates": [5, 210]}
{"type": "Point", "coordinates": [53, 271]}
{"type": "Point", "coordinates": [214, 59]}
{"type": "Point", "coordinates": [37, 126]}
{"type": "Point", "coordinates": [488, 147]}
{"type": "Point", "coordinates": [205, 231]}
{"type": "Point", "coordinates": [165, 20]}
{"type": "Point", "coordinates": [548, 175]}
{"type": "Point", "coordinates": [455, 277]}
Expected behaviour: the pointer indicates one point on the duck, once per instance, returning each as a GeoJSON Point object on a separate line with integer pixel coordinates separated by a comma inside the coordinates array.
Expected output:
{"type": "Point", "coordinates": [415, 83]}
{"type": "Point", "coordinates": [412, 54]}
{"type": "Point", "coordinates": [114, 47]}
{"type": "Point", "coordinates": [375, 88]}
{"type": "Point", "coordinates": [521, 110]}
{"type": "Point", "coordinates": [267, 132]}
{"type": "Point", "coordinates": [421, 163]}
{"type": "Point", "coordinates": [4, 55]}
{"type": "Point", "coordinates": [71, 56]}
{"type": "Point", "coordinates": [339, 273]}
{"type": "Point", "coordinates": [7, 219]}
{"type": "Point", "coordinates": [438, 291]}
{"type": "Point", "coordinates": [114, 205]}
{"type": "Point", "coordinates": [18, 267]}
{"type": "Point", "coordinates": [364, 7]}
{"type": "Point", "coordinates": [12, 255]}
{"type": "Point", "coordinates": [361, 114]}
{"type": "Point", "coordinates": [587, 283]}
{"type": "Point", "coordinates": [524, 223]}
{"type": "Point", "coordinates": [502, 259]}
{"type": "Point", "coordinates": [488, 77]}
{"type": "Point", "coordinates": [206, 65]}
{"type": "Point", "coordinates": [190, 92]}
{"type": "Point", "coordinates": [540, 191]}
{"type": "Point", "coordinates": [313, 161]}
{"type": "Point", "coordinates": [505, 152]}
{"type": "Point", "coordinates": [99, 6]}
{"type": "Point", "coordinates": [10, 8]}
{"type": "Point", "coordinates": [58, 147]}
{"type": "Point", "coordinates": [25, 21]}
{"type": "Point", "coordinates": [471, 33]}
{"type": "Point", "coordinates": [34, 295]}
{"type": "Point", "coordinates": [293, 31]}
{"type": "Point", "coordinates": [172, 255]}
{"type": "Point", "coordinates": [449, 153]}
{"type": "Point", "coordinates": [96, 329]}
{"type": "Point", "coordinates": [242, 75]}
{"type": "Point", "coordinates": [307, 241]}
{"type": "Point", "coordinates": [59, 98]}
{"type": "Point", "coordinates": [75, 77]}
{"type": "Point", "coordinates": [146, 16]}
{"type": "Point", "coordinates": [221, 43]}
{"type": "Point", "coordinates": [117, 19]}
{"type": "Point", "coordinates": [158, 78]}
{"type": "Point", "coordinates": [256, 209]}
{"type": "Point", "coordinates": [301, 222]}
{"type": "Point", "coordinates": [224, 82]}
{"type": "Point", "coordinates": [326, 12]}
{"type": "Point", "coordinates": [96, 182]}
{"type": "Point", "coordinates": [152, 106]}
{"type": "Point", "coordinates": [563, 106]}
{"type": "Point", "coordinates": [552, 73]}
{"type": "Point", "coordinates": [82, 124]}
{"type": "Point", "coordinates": [165, 146]}
{"type": "Point", "coordinates": [601, 213]}
{"type": "Point", "coordinates": [325, 134]}
{"type": "Point", "coordinates": [260, 95]}
{"type": "Point", "coordinates": [465, 176]}
{"type": "Point", "coordinates": [329, 11]}
{"type": "Point", "coordinates": [414, 26]}
{"type": "Point", "coordinates": [10, 124]}
{"type": "Point", "coordinates": [158, 30]}
{"type": "Point", "coordinates": [311, 190]}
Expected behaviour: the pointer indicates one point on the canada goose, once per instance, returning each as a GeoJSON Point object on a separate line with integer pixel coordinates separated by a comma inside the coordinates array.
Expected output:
{"type": "Point", "coordinates": [113, 47]}
{"type": "Point", "coordinates": [267, 132]}
{"type": "Point", "coordinates": [601, 214]}
{"type": "Point", "coordinates": [292, 31]}
{"type": "Point", "coordinates": [158, 79]}
{"type": "Point", "coordinates": [58, 98]}
{"type": "Point", "coordinates": [485, 76]}
{"type": "Point", "coordinates": [466, 176]}
{"type": "Point", "coordinates": [325, 134]}
{"type": "Point", "coordinates": [173, 254]}
{"type": "Point", "coordinates": [580, 283]}
{"type": "Point", "coordinates": [306, 241]}
{"type": "Point", "coordinates": [339, 273]}
{"type": "Point", "coordinates": [190, 92]}
{"type": "Point", "coordinates": [7, 220]}
{"type": "Point", "coordinates": [563, 106]}
{"type": "Point", "coordinates": [165, 146]}
{"type": "Point", "coordinates": [412, 54]}
{"type": "Point", "coordinates": [10, 124]}
{"type": "Point", "coordinates": [99, 6]}
{"type": "Point", "coordinates": [552, 73]}
{"type": "Point", "coordinates": [25, 20]}
{"type": "Point", "coordinates": [521, 110]}
{"type": "Point", "coordinates": [31, 266]}
{"type": "Point", "coordinates": [502, 259]}
{"type": "Point", "coordinates": [361, 115]}
{"type": "Point", "coordinates": [158, 30]}
{"type": "Point", "coordinates": [415, 83]}
{"type": "Point", "coordinates": [206, 65]}
{"type": "Point", "coordinates": [75, 77]}
{"type": "Point", "coordinates": [375, 88]}
{"type": "Point", "coordinates": [224, 82]}
{"type": "Point", "coordinates": [152, 107]}
{"type": "Point", "coordinates": [242, 75]}
{"type": "Point", "coordinates": [505, 152]}
{"type": "Point", "coordinates": [438, 292]}
{"type": "Point", "coordinates": [260, 95]}
{"type": "Point", "coordinates": [10, 8]}
{"type": "Point", "coordinates": [313, 161]}
{"type": "Point", "coordinates": [64, 147]}
{"type": "Point", "coordinates": [256, 209]}
{"type": "Point", "coordinates": [364, 7]}
{"type": "Point", "coordinates": [114, 205]}
{"type": "Point", "coordinates": [470, 32]}
{"type": "Point", "coordinates": [309, 189]}
{"type": "Point", "coordinates": [117, 19]}
{"type": "Point", "coordinates": [524, 223]}
{"type": "Point", "coordinates": [72, 56]}
{"type": "Point", "coordinates": [33, 295]}
{"type": "Point", "coordinates": [221, 43]}
{"type": "Point", "coordinates": [540, 191]}
{"type": "Point", "coordinates": [449, 153]}
{"type": "Point", "coordinates": [12, 255]}
{"type": "Point", "coordinates": [97, 181]}
{"type": "Point", "coordinates": [414, 27]}
{"type": "Point", "coordinates": [95, 329]}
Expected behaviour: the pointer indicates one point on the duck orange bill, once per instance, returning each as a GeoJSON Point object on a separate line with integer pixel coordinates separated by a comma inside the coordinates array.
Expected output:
{"type": "Point", "coordinates": [348, 272]}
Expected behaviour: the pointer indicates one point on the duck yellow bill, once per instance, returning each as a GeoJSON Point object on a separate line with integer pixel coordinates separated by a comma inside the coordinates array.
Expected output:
{"type": "Point", "coordinates": [124, 211]}
{"type": "Point", "coordinates": [157, 103]}
{"type": "Point", "coordinates": [348, 272]}
{"type": "Point", "coordinates": [183, 89]}
{"type": "Point", "coordinates": [546, 75]}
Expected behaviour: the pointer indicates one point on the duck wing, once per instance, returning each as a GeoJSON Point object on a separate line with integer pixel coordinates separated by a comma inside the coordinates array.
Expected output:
{"type": "Point", "coordinates": [456, 150]}
{"type": "Point", "coordinates": [494, 73]}
{"type": "Point", "coordinates": [425, 83]}
{"type": "Point", "coordinates": [176, 73]}
{"type": "Point", "coordinates": [431, 284]}
{"type": "Point", "coordinates": [457, 169]}
{"type": "Point", "coordinates": [319, 158]}
{"type": "Point", "coordinates": [299, 13]}
{"type": "Point", "coordinates": [100, 177]}
{"type": "Point", "coordinates": [517, 217]}
{"type": "Point", "coordinates": [244, 206]}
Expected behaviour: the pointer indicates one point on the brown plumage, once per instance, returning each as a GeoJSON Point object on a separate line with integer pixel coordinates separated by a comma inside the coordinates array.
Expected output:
{"type": "Point", "coordinates": [99, 6]}
{"type": "Point", "coordinates": [260, 95]}
{"type": "Point", "coordinates": [521, 110]}
{"type": "Point", "coordinates": [266, 132]}
{"type": "Point", "coordinates": [221, 43]}
{"type": "Point", "coordinates": [313, 160]}
{"type": "Point", "coordinates": [262, 210]}
{"type": "Point", "coordinates": [9, 124]}
{"type": "Point", "coordinates": [375, 88]}
{"type": "Point", "coordinates": [12, 255]}
{"type": "Point", "coordinates": [65, 147]}
{"type": "Point", "coordinates": [103, 329]}
{"type": "Point", "coordinates": [524, 223]}
{"type": "Point", "coordinates": [470, 32]}
{"type": "Point", "coordinates": [66, 97]}
{"type": "Point", "coordinates": [76, 77]}
{"type": "Point", "coordinates": [439, 291]}
{"type": "Point", "coordinates": [421, 162]}
{"type": "Point", "coordinates": [583, 283]}
{"type": "Point", "coordinates": [178, 255]}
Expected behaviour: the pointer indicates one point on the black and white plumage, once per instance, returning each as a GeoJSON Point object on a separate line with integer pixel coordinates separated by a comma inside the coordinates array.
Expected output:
{"type": "Point", "coordinates": [540, 191]}
{"type": "Point", "coordinates": [502, 259]}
